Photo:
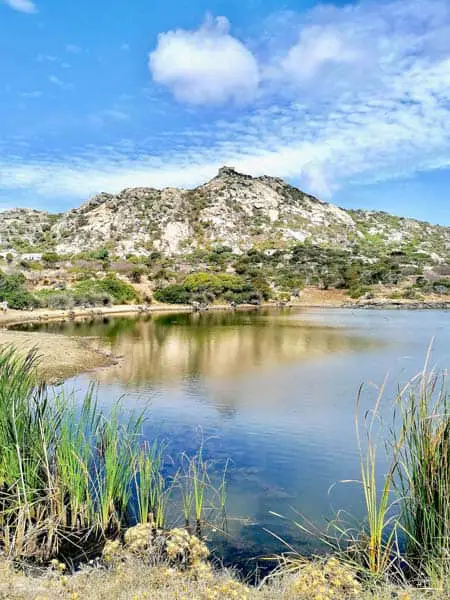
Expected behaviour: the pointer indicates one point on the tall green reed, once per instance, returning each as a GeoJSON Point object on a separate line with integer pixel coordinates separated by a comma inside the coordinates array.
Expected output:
{"type": "Point", "coordinates": [72, 476]}
{"type": "Point", "coordinates": [151, 490]}
{"type": "Point", "coordinates": [423, 470]}
{"type": "Point", "coordinates": [406, 530]}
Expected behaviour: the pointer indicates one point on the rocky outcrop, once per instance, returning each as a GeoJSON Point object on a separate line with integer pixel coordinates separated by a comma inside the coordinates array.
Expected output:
{"type": "Point", "coordinates": [233, 209]}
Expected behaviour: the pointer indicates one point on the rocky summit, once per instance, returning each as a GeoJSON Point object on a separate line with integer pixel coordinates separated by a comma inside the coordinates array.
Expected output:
{"type": "Point", "coordinates": [233, 210]}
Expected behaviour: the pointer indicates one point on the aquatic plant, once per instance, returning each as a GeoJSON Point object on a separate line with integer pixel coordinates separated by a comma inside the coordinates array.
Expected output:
{"type": "Point", "coordinates": [423, 440]}
{"type": "Point", "coordinates": [151, 492]}
{"type": "Point", "coordinates": [71, 476]}
{"type": "Point", "coordinates": [405, 535]}
{"type": "Point", "coordinates": [374, 546]}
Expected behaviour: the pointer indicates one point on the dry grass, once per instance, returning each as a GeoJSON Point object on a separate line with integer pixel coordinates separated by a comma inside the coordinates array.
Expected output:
{"type": "Point", "coordinates": [136, 580]}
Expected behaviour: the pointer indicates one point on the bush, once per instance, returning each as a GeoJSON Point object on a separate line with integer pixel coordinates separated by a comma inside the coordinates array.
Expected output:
{"type": "Point", "coordinates": [93, 299]}
{"type": "Point", "coordinates": [50, 258]}
{"type": "Point", "coordinates": [358, 292]}
{"type": "Point", "coordinates": [173, 294]}
{"type": "Point", "coordinates": [135, 275]}
{"type": "Point", "coordinates": [100, 254]}
{"type": "Point", "coordinates": [58, 300]}
{"type": "Point", "coordinates": [121, 292]}
{"type": "Point", "coordinates": [411, 294]}
{"type": "Point", "coordinates": [116, 290]}
{"type": "Point", "coordinates": [442, 286]}
{"type": "Point", "coordinates": [13, 291]}
{"type": "Point", "coordinates": [208, 287]}
{"type": "Point", "coordinates": [214, 283]}
{"type": "Point", "coordinates": [65, 300]}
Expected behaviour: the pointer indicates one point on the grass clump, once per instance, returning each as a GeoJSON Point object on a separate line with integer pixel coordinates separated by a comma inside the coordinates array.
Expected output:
{"type": "Point", "coordinates": [405, 535]}
{"type": "Point", "coordinates": [424, 476]}
{"type": "Point", "coordinates": [73, 478]}
{"type": "Point", "coordinates": [66, 472]}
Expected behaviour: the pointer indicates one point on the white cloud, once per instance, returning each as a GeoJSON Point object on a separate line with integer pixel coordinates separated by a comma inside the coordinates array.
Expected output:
{"type": "Point", "coordinates": [205, 66]}
{"type": "Point", "coordinates": [73, 49]}
{"type": "Point", "coordinates": [32, 94]}
{"type": "Point", "coordinates": [64, 85]}
{"type": "Point", "coordinates": [391, 120]}
{"type": "Point", "coordinates": [317, 47]}
{"type": "Point", "coordinates": [25, 6]}
{"type": "Point", "coordinates": [104, 117]}
{"type": "Point", "coordinates": [47, 58]}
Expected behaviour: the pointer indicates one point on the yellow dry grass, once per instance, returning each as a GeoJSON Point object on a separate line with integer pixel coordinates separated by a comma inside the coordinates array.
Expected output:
{"type": "Point", "coordinates": [136, 580]}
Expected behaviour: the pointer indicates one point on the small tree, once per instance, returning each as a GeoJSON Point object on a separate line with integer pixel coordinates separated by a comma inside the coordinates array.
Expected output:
{"type": "Point", "coordinates": [50, 258]}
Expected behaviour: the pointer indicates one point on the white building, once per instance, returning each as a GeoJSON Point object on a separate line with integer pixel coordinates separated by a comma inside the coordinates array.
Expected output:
{"type": "Point", "coordinates": [33, 256]}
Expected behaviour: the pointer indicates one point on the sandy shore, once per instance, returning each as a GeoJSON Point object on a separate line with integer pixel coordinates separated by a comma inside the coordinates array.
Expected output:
{"type": "Point", "coordinates": [63, 356]}
{"type": "Point", "coordinates": [60, 356]}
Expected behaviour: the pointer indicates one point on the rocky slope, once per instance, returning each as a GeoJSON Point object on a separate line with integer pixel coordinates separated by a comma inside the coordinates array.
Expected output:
{"type": "Point", "coordinates": [232, 209]}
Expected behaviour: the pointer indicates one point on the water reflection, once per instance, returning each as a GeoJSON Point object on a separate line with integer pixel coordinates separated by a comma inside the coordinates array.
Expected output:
{"type": "Point", "coordinates": [274, 392]}
{"type": "Point", "coordinates": [171, 347]}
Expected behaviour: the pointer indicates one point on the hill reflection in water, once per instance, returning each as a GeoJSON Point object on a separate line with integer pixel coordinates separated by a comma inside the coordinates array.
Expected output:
{"type": "Point", "coordinates": [171, 347]}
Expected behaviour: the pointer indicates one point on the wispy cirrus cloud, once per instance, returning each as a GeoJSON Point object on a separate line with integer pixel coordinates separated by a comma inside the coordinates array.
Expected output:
{"type": "Point", "coordinates": [25, 6]}
{"type": "Point", "coordinates": [64, 85]}
{"type": "Point", "coordinates": [73, 49]}
{"type": "Point", "coordinates": [360, 93]}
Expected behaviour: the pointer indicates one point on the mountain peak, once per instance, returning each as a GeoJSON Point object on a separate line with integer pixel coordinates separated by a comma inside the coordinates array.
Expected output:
{"type": "Point", "coordinates": [233, 209]}
{"type": "Point", "coordinates": [226, 172]}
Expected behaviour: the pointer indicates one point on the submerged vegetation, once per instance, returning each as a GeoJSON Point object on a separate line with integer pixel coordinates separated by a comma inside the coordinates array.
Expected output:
{"type": "Point", "coordinates": [78, 484]}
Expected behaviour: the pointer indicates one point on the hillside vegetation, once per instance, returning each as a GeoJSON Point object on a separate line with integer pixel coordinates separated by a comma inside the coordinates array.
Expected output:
{"type": "Point", "coordinates": [267, 237]}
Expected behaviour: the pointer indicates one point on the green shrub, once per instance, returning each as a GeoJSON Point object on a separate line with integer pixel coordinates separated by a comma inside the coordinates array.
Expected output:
{"type": "Point", "coordinates": [411, 294]}
{"type": "Point", "coordinates": [135, 275]}
{"type": "Point", "coordinates": [57, 300]}
{"type": "Point", "coordinates": [215, 283]}
{"type": "Point", "coordinates": [100, 254]}
{"type": "Point", "coordinates": [358, 292]}
{"type": "Point", "coordinates": [442, 286]}
{"type": "Point", "coordinates": [173, 294]}
{"type": "Point", "coordinates": [50, 258]}
{"type": "Point", "coordinates": [207, 287]}
{"type": "Point", "coordinates": [13, 291]}
{"type": "Point", "coordinates": [118, 291]}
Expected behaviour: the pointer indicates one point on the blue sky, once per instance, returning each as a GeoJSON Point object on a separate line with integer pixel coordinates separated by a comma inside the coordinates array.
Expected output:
{"type": "Point", "coordinates": [350, 101]}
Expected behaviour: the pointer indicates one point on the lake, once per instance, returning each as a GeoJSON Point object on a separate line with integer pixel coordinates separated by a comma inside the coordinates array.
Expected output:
{"type": "Point", "coordinates": [273, 391]}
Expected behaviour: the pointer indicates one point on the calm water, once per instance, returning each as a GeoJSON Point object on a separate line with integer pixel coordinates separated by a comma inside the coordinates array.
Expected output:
{"type": "Point", "coordinates": [273, 391]}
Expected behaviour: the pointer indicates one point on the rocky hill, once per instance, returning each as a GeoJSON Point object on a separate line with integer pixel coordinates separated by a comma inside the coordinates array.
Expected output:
{"type": "Point", "coordinates": [232, 209]}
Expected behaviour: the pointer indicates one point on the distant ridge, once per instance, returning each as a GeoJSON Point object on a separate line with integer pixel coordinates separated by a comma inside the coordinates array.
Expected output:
{"type": "Point", "coordinates": [233, 210]}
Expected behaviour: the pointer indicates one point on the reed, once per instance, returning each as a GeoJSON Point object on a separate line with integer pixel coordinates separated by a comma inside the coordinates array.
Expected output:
{"type": "Point", "coordinates": [151, 491]}
{"type": "Point", "coordinates": [71, 476]}
{"type": "Point", "coordinates": [405, 535]}
{"type": "Point", "coordinates": [194, 481]}
{"type": "Point", "coordinates": [423, 472]}
{"type": "Point", "coordinates": [203, 497]}
{"type": "Point", "coordinates": [375, 547]}
{"type": "Point", "coordinates": [65, 471]}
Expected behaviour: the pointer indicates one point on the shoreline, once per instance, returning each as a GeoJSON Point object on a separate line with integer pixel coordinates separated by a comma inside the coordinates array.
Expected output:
{"type": "Point", "coordinates": [64, 356]}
